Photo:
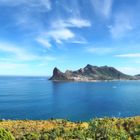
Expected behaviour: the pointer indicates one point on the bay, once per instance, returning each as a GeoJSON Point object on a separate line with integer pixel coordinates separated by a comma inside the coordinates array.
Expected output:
{"type": "Point", "coordinates": [38, 98]}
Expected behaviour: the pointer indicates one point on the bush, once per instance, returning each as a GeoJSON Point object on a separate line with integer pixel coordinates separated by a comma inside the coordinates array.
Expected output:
{"type": "Point", "coordinates": [5, 135]}
{"type": "Point", "coordinates": [136, 133]}
{"type": "Point", "coordinates": [106, 130]}
{"type": "Point", "coordinates": [32, 136]}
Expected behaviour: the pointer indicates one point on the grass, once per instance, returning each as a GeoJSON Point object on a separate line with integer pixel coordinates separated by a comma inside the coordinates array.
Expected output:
{"type": "Point", "coordinates": [96, 129]}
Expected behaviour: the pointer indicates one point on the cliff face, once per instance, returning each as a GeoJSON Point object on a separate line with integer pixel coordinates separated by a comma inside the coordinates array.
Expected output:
{"type": "Point", "coordinates": [58, 75]}
{"type": "Point", "coordinates": [91, 73]}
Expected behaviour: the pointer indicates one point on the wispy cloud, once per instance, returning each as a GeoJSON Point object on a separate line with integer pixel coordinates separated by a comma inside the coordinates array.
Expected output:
{"type": "Point", "coordinates": [100, 50]}
{"type": "Point", "coordinates": [123, 24]}
{"type": "Point", "coordinates": [26, 14]}
{"type": "Point", "coordinates": [61, 31]}
{"type": "Point", "coordinates": [11, 66]}
{"type": "Point", "coordinates": [20, 61]}
{"type": "Point", "coordinates": [45, 42]}
{"type": "Point", "coordinates": [130, 70]}
{"type": "Point", "coordinates": [129, 55]}
{"type": "Point", "coordinates": [61, 34]}
{"type": "Point", "coordinates": [72, 22]}
{"type": "Point", "coordinates": [79, 41]}
{"type": "Point", "coordinates": [46, 3]}
{"type": "Point", "coordinates": [38, 5]}
{"type": "Point", "coordinates": [79, 23]}
{"type": "Point", "coordinates": [19, 54]}
{"type": "Point", "coordinates": [102, 7]}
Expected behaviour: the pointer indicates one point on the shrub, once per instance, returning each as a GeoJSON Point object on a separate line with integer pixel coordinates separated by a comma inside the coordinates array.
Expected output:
{"type": "Point", "coordinates": [106, 130]}
{"type": "Point", "coordinates": [5, 135]}
{"type": "Point", "coordinates": [32, 136]}
{"type": "Point", "coordinates": [136, 134]}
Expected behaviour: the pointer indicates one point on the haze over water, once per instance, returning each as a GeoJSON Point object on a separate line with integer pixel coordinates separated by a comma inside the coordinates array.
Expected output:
{"type": "Point", "coordinates": [38, 98]}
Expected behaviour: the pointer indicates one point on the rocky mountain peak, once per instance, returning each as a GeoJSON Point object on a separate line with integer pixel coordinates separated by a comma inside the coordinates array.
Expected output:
{"type": "Point", "coordinates": [56, 71]}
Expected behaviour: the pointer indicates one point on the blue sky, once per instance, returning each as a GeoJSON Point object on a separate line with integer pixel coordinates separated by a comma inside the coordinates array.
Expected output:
{"type": "Point", "coordinates": [37, 35]}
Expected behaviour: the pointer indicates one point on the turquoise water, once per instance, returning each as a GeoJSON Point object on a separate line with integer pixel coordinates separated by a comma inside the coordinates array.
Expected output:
{"type": "Point", "coordinates": [38, 98]}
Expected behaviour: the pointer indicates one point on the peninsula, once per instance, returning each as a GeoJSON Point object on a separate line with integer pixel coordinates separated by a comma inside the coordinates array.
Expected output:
{"type": "Point", "coordinates": [91, 73]}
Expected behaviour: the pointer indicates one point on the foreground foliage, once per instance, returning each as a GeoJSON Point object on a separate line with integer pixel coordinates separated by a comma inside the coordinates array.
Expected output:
{"type": "Point", "coordinates": [5, 135]}
{"type": "Point", "coordinates": [97, 129]}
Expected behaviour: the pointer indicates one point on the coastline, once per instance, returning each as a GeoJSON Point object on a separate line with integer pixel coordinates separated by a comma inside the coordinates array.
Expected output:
{"type": "Point", "coordinates": [90, 81]}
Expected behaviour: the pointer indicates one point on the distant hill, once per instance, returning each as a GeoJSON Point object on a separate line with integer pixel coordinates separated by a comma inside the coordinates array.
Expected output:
{"type": "Point", "coordinates": [91, 73]}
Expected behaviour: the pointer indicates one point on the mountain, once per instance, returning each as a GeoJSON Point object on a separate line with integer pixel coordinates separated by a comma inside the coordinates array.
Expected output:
{"type": "Point", "coordinates": [91, 73]}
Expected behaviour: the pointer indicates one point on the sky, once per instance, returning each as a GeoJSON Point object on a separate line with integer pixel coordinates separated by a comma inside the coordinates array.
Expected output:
{"type": "Point", "coordinates": [38, 35]}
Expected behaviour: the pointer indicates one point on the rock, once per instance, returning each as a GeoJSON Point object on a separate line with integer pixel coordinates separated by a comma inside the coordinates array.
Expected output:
{"type": "Point", "coordinates": [58, 75]}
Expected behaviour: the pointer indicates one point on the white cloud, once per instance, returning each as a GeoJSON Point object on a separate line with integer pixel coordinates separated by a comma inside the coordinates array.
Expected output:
{"type": "Point", "coordinates": [26, 14]}
{"type": "Point", "coordinates": [129, 70]}
{"type": "Point", "coordinates": [12, 2]}
{"type": "Point", "coordinates": [44, 42]}
{"type": "Point", "coordinates": [79, 41]}
{"type": "Point", "coordinates": [11, 66]}
{"type": "Point", "coordinates": [61, 31]}
{"type": "Point", "coordinates": [79, 23]}
{"type": "Point", "coordinates": [17, 53]}
{"type": "Point", "coordinates": [72, 22]}
{"type": "Point", "coordinates": [62, 34]}
{"type": "Point", "coordinates": [100, 50]}
{"type": "Point", "coordinates": [102, 7]}
{"type": "Point", "coordinates": [28, 17]}
{"type": "Point", "coordinates": [46, 3]}
{"type": "Point", "coordinates": [36, 4]}
{"type": "Point", "coordinates": [122, 25]}
{"type": "Point", "coordinates": [129, 55]}
{"type": "Point", "coordinates": [16, 60]}
{"type": "Point", "coordinates": [58, 35]}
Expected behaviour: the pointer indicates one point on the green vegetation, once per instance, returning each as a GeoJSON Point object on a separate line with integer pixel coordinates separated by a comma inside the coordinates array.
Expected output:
{"type": "Point", "coordinates": [5, 135]}
{"type": "Point", "coordinates": [97, 129]}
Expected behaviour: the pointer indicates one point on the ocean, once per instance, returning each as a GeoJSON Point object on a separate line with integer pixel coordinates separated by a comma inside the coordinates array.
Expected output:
{"type": "Point", "coordinates": [37, 98]}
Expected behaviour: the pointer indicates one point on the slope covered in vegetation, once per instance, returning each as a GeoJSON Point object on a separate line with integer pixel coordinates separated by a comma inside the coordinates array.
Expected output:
{"type": "Point", "coordinates": [97, 129]}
